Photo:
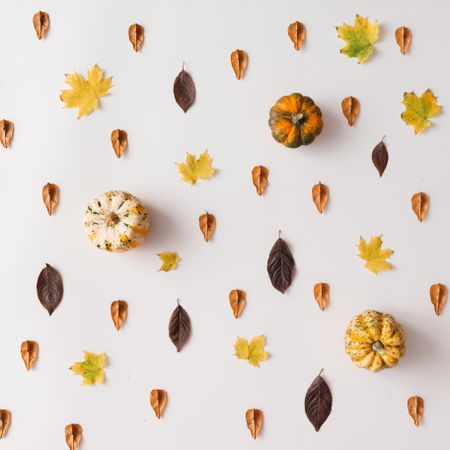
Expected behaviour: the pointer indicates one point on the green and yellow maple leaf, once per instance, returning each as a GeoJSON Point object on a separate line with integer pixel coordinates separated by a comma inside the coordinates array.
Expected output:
{"type": "Point", "coordinates": [84, 94]}
{"type": "Point", "coordinates": [194, 169]}
{"type": "Point", "coordinates": [359, 38]}
{"type": "Point", "coordinates": [91, 369]}
{"type": "Point", "coordinates": [169, 261]}
{"type": "Point", "coordinates": [374, 255]}
{"type": "Point", "coordinates": [253, 352]}
{"type": "Point", "coordinates": [419, 110]}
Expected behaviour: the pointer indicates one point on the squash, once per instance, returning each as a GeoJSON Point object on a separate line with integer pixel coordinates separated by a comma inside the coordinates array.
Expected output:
{"type": "Point", "coordinates": [295, 120]}
{"type": "Point", "coordinates": [116, 221]}
{"type": "Point", "coordinates": [374, 341]}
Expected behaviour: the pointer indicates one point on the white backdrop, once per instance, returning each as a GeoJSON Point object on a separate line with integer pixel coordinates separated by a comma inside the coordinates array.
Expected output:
{"type": "Point", "coordinates": [209, 389]}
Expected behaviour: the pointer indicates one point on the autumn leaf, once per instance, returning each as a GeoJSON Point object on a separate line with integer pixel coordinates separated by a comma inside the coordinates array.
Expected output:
{"type": "Point", "coordinates": [438, 296]}
{"type": "Point", "coordinates": [419, 110]}
{"type": "Point", "coordinates": [297, 32]}
{"type": "Point", "coordinates": [84, 94]}
{"type": "Point", "coordinates": [41, 22]}
{"type": "Point", "coordinates": [420, 202]}
{"type": "Point", "coordinates": [119, 141]}
{"type": "Point", "coordinates": [320, 193]}
{"type": "Point", "coordinates": [194, 168]}
{"type": "Point", "coordinates": [322, 294]}
{"type": "Point", "coordinates": [260, 178]}
{"type": "Point", "coordinates": [253, 352]}
{"type": "Point", "coordinates": [169, 261]}
{"type": "Point", "coordinates": [239, 62]}
{"type": "Point", "coordinates": [416, 409]}
{"type": "Point", "coordinates": [29, 351]}
{"type": "Point", "coordinates": [158, 400]}
{"type": "Point", "coordinates": [136, 35]}
{"type": "Point", "coordinates": [359, 38]}
{"type": "Point", "coordinates": [374, 255]}
{"type": "Point", "coordinates": [237, 301]}
{"type": "Point", "coordinates": [207, 224]}
{"type": "Point", "coordinates": [119, 313]}
{"type": "Point", "coordinates": [5, 422]}
{"type": "Point", "coordinates": [6, 132]}
{"type": "Point", "coordinates": [74, 433]}
{"type": "Point", "coordinates": [350, 109]}
{"type": "Point", "coordinates": [50, 196]}
{"type": "Point", "coordinates": [91, 368]}
{"type": "Point", "coordinates": [403, 37]}
{"type": "Point", "coordinates": [254, 419]}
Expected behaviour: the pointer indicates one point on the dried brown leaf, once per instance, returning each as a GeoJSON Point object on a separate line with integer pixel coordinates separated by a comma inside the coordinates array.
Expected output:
{"type": "Point", "coordinates": [158, 400]}
{"type": "Point", "coordinates": [297, 32]}
{"type": "Point", "coordinates": [136, 35]}
{"type": "Point", "coordinates": [49, 288]}
{"type": "Point", "coordinates": [320, 195]}
{"type": "Point", "coordinates": [254, 418]}
{"type": "Point", "coordinates": [260, 177]}
{"type": "Point", "coordinates": [207, 224]}
{"type": "Point", "coordinates": [74, 433]}
{"type": "Point", "coordinates": [119, 141]}
{"type": "Point", "coordinates": [50, 195]}
{"type": "Point", "coordinates": [237, 302]}
{"type": "Point", "coordinates": [280, 265]}
{"type": "Point", "coordinates": [318, 402]}
{"type": "Point", "coordinates": [350, 109]}
{"type": "Point", "coordinates": [119, 312]}
{"type": "Point", "coordinates": [29, 351]}
{"type": "Point", "coordinates": [403, 36]}
{"type": "Point", "coordinates": [6, 132]}
{"type": "Point", "coordinates": [179, 327]}
{"type": "Point", "coordinates": [420, 203]}
{"type": "Point", "coordinates": [438, 296]}
{"type": "Point", "coordinates": [184, 90]}
{"type": "Point", "coordinates": [239, 62]}
{"type": "Point", "coordinates": [5, 422]}
{"type": "Point", "coordinates": [322, 294]}
{"type": "Point", "coordinates": [380, 157]}
{"type": "Point", "coordinates": [416, 409]}
{"type": "Point", "coordinates": [41, 22]}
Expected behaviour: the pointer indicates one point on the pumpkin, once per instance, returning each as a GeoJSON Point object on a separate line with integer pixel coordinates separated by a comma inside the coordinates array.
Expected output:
{"type": "Point", "coordinates": [295, 120]}
{"type": "Point", "coordinates": [116, 221]}
{"type": "Point", "coordinates": [374, 341]}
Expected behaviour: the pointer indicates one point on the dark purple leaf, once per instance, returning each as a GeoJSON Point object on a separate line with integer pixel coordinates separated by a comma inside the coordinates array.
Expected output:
{"type": "Point", "coordinates": [318, 401]}
{"type": "Point", "coordinates": [280, 266]}
{"type": "Point", "coordinates": [380, 157]}
{"type": "Point", "coordinates": [184, 90]}
{"type": "Point", "coordinates": [179, 327]}
{"type": "Point", "coordinates": [49, 288]}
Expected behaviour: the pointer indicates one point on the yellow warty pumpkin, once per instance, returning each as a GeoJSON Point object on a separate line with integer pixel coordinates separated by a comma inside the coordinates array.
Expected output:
{"type": "Point", "coordinates": [116, 221]}
{"type": "Point", "coordinates": [374, 341]}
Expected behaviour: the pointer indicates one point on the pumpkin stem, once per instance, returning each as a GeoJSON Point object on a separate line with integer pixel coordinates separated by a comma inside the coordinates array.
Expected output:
{"type": "Point", "coordinates": [112, 219]}
{"type": "Point", "coordinates": [296, 118]}
{"type": "Point", "coordinates": [378, 347]}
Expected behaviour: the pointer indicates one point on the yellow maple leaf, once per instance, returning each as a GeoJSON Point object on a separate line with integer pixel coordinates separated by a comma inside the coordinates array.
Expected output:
{"type": "Point", "coordinates": [194, 169]}
{"type": "Point", "coordinates": [84, 94]}
{"type": "Point", "coordinates": [359, 38]}
{"type": "Point", "coordinates": [253, 352]}
{"type": "Point", "coordinates": [419, 110]}
{"type": "Point", "coordinates": [374, 255]}
{"type": "Point", "coordinates": [91, 368]}
{"type": "Point", "coordinates": [169, 261]}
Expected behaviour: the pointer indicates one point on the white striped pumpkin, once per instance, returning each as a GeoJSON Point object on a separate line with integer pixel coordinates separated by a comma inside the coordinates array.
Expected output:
{"type": "Point", "coordinates": [116, 221]}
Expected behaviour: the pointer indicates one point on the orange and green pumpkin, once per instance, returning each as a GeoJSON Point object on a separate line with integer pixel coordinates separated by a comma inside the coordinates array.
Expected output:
{"type": "Point", "coordinates": [295, 120]}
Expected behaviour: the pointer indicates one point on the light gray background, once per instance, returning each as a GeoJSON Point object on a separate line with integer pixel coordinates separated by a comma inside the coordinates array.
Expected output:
{"type": "Point", "coordinates": [209, 389]}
